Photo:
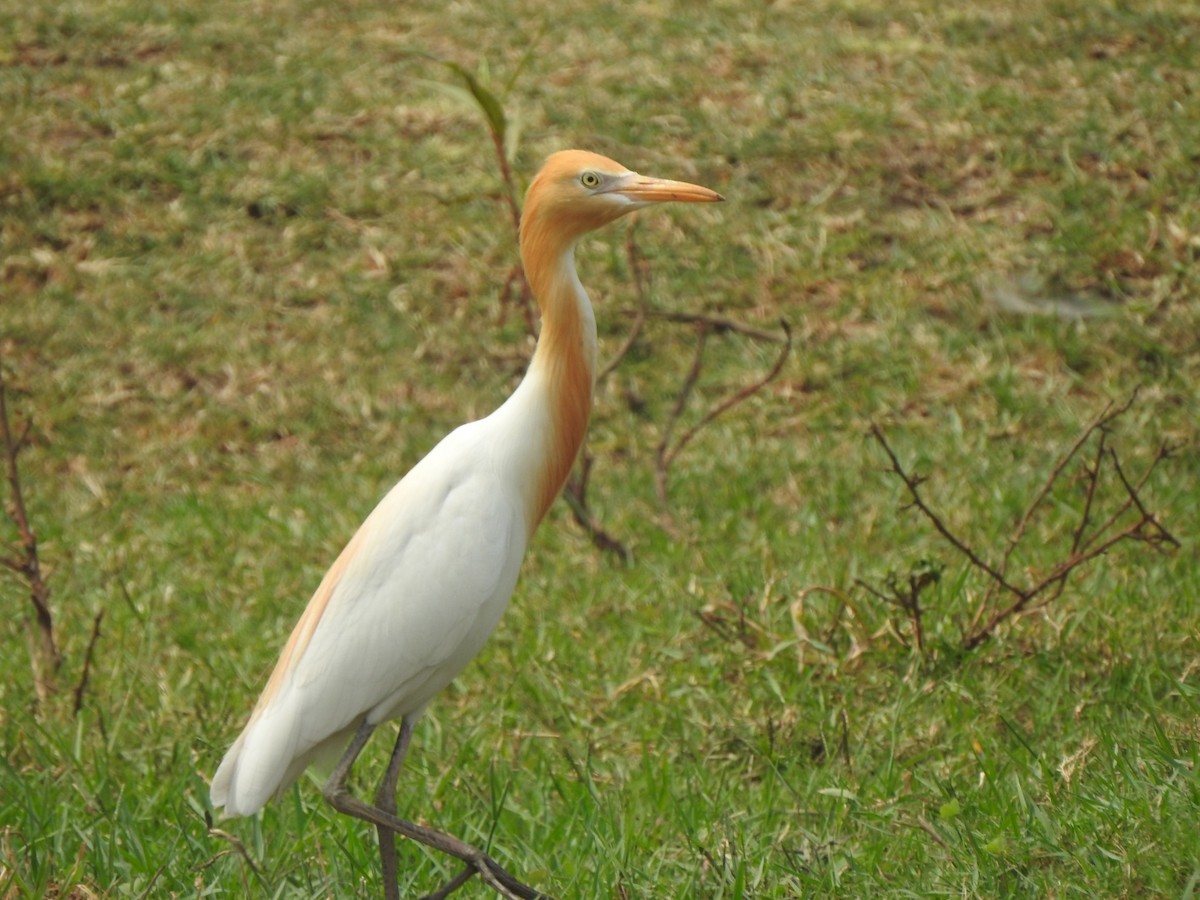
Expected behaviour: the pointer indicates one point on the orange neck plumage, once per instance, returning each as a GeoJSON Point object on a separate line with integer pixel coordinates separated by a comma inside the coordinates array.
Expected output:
{"type": "Point", "coordinates": [564, 360]}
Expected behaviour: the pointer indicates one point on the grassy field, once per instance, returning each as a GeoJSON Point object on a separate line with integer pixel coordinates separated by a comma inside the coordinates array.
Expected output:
{"type": "Point", "coordinates": [251, 267]}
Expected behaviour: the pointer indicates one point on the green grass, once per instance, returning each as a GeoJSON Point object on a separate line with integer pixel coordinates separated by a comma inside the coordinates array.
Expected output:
{"type": "Point", "coordinates": [250, 261]}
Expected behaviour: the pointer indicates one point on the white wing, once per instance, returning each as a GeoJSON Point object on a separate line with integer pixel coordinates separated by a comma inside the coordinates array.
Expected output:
{"type": "Point", "coordinates": [406, 606]}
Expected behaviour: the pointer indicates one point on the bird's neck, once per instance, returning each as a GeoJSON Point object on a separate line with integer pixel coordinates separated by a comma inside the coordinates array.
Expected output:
{"type": "Point", "coordinates": [558, 386]}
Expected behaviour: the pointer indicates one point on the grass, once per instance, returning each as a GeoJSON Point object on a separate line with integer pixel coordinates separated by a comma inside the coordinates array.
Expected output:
{"type": "Point", "coordinates": [251, 260]}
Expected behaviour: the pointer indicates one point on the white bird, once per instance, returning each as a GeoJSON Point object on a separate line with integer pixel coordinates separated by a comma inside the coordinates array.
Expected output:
{"type": "Point", "coordinates": [424, 581]}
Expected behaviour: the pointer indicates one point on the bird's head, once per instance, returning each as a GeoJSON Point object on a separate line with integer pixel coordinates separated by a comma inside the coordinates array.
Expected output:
{"type": "Point", "coordinates": [576, 192]}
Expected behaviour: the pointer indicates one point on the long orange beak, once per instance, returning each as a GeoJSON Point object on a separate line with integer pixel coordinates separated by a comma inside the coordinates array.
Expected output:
{"type": "Point", "coordinates": [643, 189]}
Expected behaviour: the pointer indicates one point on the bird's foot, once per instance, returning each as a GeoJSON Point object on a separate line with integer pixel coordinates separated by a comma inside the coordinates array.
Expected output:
{"type": "Point", "coordinates": [478, 862]}
{"type": "Point", "coordinates": [494, 875]}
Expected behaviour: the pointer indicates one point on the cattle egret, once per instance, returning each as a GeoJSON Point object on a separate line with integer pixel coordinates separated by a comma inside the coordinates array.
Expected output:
{"type": "Point", "coordinates": [421, 585]}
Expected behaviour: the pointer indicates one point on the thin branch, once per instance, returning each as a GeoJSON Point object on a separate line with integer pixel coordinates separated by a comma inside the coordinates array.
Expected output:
{"type": "Point", "coordinates": [928, 828]}
{"type": "Point", "coordinates": [1044, 589]}
{"type": "Point", "coordinates": [872, 590]}
{"type": "Point", "coordinates": [1093, 480]}
{"type": "Point", "coordinates": [1110, 412]}
{"type": "Point", "coordinates": [1106, 416]}
{"type": "Point", "coordinates": [906, 595]}
{"type": "Point", "coordinates": [46, 658]}
{"type": "Point", "coordinates": [913, 484]}
{"type": "Point", "coordinates": [81, 685]}
{"type": "Point", "coordinates": [637, 267]}
{"type": "Point", "coordinates": [234, 841]}
{"type": "Point", "coordinates": [718, 324]}
{"type": "Point", "coordinates": [517, 275]}
{"type": "Point", "coordinates": [506, 175]}
{"type": "Point", "coordinates": [1057, 577]}
{"type": "Point", "coordinates": [662, 454]}
{"type": "Point", "coordinates": [667, 457]}
{"type": "Point", "coordinates": [1134, 492]}
{"type": "Point", "coordinates": [575, 496]}
{"type": "Point", "coordinates": [1132, 499]}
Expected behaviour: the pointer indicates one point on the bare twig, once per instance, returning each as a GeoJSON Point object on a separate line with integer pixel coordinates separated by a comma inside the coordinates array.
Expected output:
{"type": "Point", "coordinates": [663, 454]}
{"type": "Point", "coordinates": [717, 324]}
{"type": "Point", "coordinates": [506, 175]}
{"type": "Point", "coordinates": [234, 841]}
{"type": "Point", "coordinates": [1087, 542]}
{"type": "Point", "coordinates": [666, 453]}
{"type": "Point", "coordinates": [1092, 475]}
{"type": "Point", "coordinates": [1106, 416]}
{"type": "Point", "coordinates": [85, 672]}
{"type": "Point", "coordinates": [637, 267]}
{"type": "Point", "coordinates": [45, 657]}
{"type": "Point", "coordinates": [913, 483]}
{"type": "Point", "coordinates": [1158, 534]}
{"type": "Point", "coordinates": [906, 595]}
{"type": "Point", "coordinates": [1055, 581]}
{"type": "Point", "coordinates": [516, 286]}
{"type": "Point", "coordinates": [1099, 424]}
{"type": "Point", "coordinates": [575, 495]}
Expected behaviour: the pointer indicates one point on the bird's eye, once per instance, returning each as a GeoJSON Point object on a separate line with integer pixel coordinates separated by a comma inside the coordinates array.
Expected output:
{"type": "Point", "coordinates": [589, 180]}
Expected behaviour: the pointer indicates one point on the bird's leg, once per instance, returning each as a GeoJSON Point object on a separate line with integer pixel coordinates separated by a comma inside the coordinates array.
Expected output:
{"type": "Point", "coordinates": [337, 796]}
{"type": "Point", "coordinates": [336, 784]}
{"type": "Point", "coordinates": [385, 800]}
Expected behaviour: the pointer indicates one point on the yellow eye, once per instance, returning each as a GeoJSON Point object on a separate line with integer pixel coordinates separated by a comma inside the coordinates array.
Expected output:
{"type": "Point", "coordinates": [589, 180]}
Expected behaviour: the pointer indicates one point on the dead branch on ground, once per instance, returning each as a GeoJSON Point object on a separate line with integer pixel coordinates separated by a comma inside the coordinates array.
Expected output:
{"type": "Point", "coordinates": [905, 594]}
{"type": "Point", "coordinates": [44, 654]}
{"type": "Point", "coordinates": [1130, 520]}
